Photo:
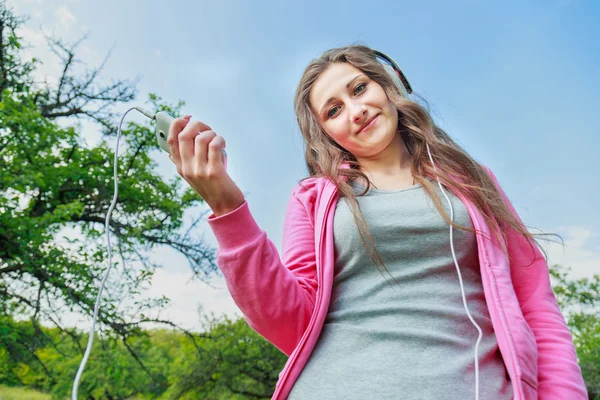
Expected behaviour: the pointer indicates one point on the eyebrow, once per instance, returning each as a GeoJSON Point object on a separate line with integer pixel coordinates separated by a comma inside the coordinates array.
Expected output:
{"type": "Point", "coordinates": [329, 100]}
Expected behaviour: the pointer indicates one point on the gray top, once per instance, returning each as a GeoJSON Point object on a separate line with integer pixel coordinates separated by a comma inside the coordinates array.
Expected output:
{"type": "Point", "coordinates": [411, 340]}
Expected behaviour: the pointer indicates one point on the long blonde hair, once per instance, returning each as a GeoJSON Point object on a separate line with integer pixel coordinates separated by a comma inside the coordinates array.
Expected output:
{"type": "Point", "coordinates": [454, 167]}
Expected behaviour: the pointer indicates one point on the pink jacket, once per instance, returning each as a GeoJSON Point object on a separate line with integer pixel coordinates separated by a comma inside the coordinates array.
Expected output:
{"type": "Point", "coordinates": [286, 299]}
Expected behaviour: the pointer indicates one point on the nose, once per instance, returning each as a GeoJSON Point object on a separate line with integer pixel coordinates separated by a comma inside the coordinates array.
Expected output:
{"type": "Point", "coordinates": [358, 112]}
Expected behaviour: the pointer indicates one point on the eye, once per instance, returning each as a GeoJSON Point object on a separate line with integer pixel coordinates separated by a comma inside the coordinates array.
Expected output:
{"type": "Point", "coordinates": [357, 90]}
{"type": "Point", "coordinates": [330, 113]}
{"type": "Point", "coordinates": [362, 86]}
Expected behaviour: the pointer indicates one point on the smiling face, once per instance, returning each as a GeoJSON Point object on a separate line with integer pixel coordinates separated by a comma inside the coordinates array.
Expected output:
{"type": "Point", "coordinates": [354, 111]}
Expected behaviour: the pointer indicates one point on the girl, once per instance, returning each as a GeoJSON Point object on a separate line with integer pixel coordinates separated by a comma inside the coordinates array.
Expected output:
{"type": "Point", "coordinates": [405, 273]}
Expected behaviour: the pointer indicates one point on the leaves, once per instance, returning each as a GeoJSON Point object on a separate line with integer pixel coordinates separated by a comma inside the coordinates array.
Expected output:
{"type": "Point", "coordinates": [55, 193]}
{"type": "Point", "coordinates": [228, 361]}
{"type": "Point", "coordinates": [580, 300]}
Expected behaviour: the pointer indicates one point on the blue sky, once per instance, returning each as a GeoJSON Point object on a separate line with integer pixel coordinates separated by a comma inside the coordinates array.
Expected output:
{"type": "Point", "coordinates": [515, 82]}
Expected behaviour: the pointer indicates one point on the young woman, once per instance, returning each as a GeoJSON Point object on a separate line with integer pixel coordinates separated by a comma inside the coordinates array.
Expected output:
{"type": "Point", "coordinates": [405, 272]}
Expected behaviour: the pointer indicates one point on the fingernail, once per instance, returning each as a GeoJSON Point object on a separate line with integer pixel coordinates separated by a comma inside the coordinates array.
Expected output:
{"type": "Point", "coordinates": [187, 116]}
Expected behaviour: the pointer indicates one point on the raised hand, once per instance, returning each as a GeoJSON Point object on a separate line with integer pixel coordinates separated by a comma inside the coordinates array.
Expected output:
{"type": "Point", "coordinates": [197, 152]}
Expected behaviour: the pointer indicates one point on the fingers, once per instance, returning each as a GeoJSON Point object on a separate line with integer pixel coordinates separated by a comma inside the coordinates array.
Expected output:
{"type": "Point", "coordinates": [173, 138]}
{"type": "Point", "coordinates": [215, 153]}
{"type": "Point", "coordinates": [196, 149]}
{"type": "Point", "coordinates": [187, 138]}
{"type": "Point", "coordinates": [201, 142]}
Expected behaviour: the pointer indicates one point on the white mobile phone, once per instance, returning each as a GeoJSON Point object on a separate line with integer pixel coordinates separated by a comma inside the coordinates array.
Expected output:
{"type": "Point", "coordinates": [163, 122]}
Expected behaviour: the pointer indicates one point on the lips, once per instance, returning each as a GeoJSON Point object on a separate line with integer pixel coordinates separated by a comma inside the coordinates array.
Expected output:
{"type": "Point", "coordinates": [369, 124]}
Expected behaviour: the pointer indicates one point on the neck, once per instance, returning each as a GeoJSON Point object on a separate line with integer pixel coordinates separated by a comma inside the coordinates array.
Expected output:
{"type": "Point", "coordinates": [391, 169]}
{"type": "Point", "coordinates": [394, 161]}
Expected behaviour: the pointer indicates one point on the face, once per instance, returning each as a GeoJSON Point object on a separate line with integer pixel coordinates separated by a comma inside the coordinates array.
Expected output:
{"type": "Point", "coordinates": [354, 110]}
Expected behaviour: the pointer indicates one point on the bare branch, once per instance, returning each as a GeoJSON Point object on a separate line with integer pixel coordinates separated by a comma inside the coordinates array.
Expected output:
{"type": "Point", "coordinates": [82, 96]}
{"type": "Point", "coordinates": [8, 67]}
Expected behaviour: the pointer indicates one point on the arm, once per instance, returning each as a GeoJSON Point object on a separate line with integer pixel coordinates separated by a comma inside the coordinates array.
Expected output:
{"type": "Point", "coordinates": [559, 375]}
{"type": "Point", "coordinates": [275, 295]}
{"type": "Point", "coordinates": [276, 298]}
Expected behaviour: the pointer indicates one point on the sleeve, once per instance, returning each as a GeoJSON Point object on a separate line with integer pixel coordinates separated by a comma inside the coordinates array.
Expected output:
{"type": "Point", "coordinates": [276, 295]}
{"type": "Point", "coordinates": [559, 374]}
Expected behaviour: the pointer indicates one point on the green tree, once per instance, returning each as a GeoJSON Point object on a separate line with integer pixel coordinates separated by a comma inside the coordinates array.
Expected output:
{"type": "Point", "coordinates": [227, 361]}
{"type": "Point", "coordinates": [54, 196]}
{"type": "Point", "coordinates": [580, 300]}
{"type": "Point", "coordinates": [112, 373]}
{"type": "Point", "coordinates": [234, 362]}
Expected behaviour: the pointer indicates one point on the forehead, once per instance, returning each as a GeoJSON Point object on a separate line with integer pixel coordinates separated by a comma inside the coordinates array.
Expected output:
{"type": "Point", "coordinates": [331, 82]}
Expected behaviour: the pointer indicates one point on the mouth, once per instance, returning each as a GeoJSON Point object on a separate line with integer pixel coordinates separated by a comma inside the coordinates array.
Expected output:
{"type": "Point", "coordinates": [369, 124]}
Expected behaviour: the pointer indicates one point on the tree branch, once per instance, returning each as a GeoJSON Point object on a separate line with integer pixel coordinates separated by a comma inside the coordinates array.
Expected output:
{"type": "Point", "coordinates": [76, 97]}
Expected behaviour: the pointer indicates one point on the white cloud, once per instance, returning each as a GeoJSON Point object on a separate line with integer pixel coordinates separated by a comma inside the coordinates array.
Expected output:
{"type": "Point", "coordinates": [65, 17]}
{"type": "Point", "coordinates": [60, 25]}
{"type": "Point", "coordinates": [578, 252]}
{"type": "Point", "coordinates": [33, 38]}
{"type": "Point", "coordinates": [20, 5]}
{"type": "Point", "coordinates": [188, 295]}
{"type": "Point", "coordinates": [49, 68]}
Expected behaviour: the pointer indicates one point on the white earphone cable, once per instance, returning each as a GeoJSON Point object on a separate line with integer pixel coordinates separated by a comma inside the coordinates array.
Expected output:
{"type": "Point", "coordinates": [476, 358]}
{"type": "Point", "coordinates": [107, 222]}
{"type": "Point", "coordinates": [88, 348]}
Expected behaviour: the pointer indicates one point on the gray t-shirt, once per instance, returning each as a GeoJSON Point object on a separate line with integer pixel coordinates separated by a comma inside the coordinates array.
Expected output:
{"type": "Point", "coordinates": [411, 340]}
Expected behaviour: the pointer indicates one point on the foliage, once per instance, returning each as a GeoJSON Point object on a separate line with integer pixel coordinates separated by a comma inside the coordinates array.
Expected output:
{"type": "Point", "coordinates": [54, 196]}
{"type": "Point", "coordinates": [235, 363]}
{"type": "Point", "coordinates": [228, 361]}
{"type": "Point", "coordinates": [55, 193]}
{"type": "Point", "coordinates": [13, 393]}
{"type": "Point", "coordinates": [580, 301]}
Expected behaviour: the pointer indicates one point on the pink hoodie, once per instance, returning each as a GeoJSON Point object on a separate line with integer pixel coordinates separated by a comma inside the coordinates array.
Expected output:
{"type": "Point", "coordinates": [286, 299]}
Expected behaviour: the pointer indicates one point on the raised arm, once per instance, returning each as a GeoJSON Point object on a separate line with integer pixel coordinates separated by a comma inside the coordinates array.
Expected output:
{"type": "Point", "coordinates": [275, 295]}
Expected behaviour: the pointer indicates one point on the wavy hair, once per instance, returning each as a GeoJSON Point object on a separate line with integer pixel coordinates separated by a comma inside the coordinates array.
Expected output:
{"type": "Point", "coordinates": [453, 165]}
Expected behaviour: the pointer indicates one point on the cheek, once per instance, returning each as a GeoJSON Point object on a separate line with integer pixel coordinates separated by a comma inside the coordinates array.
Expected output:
{"type": "Point", "coordinates": [393, 113]}
{"type": "Point", "coordinates": [338, 132]}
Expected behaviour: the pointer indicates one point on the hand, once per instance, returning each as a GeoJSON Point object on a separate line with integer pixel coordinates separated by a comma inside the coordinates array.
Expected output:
{"type": "Point", "coordinates": [197, 154]}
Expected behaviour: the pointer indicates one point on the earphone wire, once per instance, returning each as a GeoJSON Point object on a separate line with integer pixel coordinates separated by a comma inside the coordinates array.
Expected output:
{"type": "Point", "coordinates": [88, 348]}
{"type": "Point", "coordinates": [107, 224]}
{"type": "Point", "coordinates": [462, 289]}
{"type": "Point", "coordinates": [406, 89]}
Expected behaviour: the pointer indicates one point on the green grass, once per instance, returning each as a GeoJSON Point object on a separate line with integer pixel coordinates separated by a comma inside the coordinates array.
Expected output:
{"type": "Point", "coordinates": [15, 393]}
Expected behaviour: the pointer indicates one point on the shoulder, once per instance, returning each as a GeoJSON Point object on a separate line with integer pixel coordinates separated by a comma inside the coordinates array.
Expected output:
{"type": "Point", "coordinates": [486, 169]}
{"type": "Point", "coordinates": [308, 192]}
{"type": "Point", "coordinates": [491, 175]}
{"type": "Point", "coordinates": [310, 187]}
